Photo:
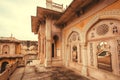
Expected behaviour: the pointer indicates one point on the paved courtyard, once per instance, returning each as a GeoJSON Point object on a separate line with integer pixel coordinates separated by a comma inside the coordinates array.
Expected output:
{"type": "Point", "coordinates": [41, 73]}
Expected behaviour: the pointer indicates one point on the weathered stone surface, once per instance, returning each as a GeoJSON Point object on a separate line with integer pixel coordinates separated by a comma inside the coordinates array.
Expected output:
{"type": "Point", "coordinates": [17, 75]}
{"type": "Point", "coordinates": [42, 73]}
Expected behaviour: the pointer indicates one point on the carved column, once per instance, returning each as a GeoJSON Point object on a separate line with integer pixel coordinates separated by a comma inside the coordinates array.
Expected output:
{"type": "Point", "coordinates": [63, 48]}
{"type": "Point", "coordinates": [48, 42]}
{"type": "Point", "coordinates": [41, 53]}
{"type": "Point", "coordinates": [84, 59]}
{"type": "Point", "coordinates": [67, 55]}
{"type": "Point", "coordinates": [41, 46]}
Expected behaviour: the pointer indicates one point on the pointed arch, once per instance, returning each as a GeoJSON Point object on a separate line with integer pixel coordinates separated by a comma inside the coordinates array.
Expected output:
{"type": "Point", "coordinates": [74, 29]}
{"type": "Point", "coordinates": [75, 35]}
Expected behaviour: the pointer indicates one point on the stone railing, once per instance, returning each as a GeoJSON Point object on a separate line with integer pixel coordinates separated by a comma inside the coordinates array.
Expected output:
{"type": "Point", "coordinates": [6, 74]}
{"type": "Point", "coordinates": [55, 4]}
{"type": "Point", "coordinates": [58, 5]}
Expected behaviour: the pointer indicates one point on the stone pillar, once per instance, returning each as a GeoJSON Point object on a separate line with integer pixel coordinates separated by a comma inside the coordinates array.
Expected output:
{"type": "Point", "coordinates": [48, 42]}
{"type": "Point", "coordinates": [39, 46]}
{"type": "Point", "coordinates": [67, 55]}
{"type": "Point", "coordinates": [78, 52]}
{"type": "Point", "coordinates": [84, 59]}
{"type": "Point", "coordinates": [63, 48]}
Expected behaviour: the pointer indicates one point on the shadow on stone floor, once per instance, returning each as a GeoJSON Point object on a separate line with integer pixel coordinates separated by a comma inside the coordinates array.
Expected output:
{"type": "Point", "coordinates": [42, 73]}
{"type": "Point", "coordinates": [58, 73]}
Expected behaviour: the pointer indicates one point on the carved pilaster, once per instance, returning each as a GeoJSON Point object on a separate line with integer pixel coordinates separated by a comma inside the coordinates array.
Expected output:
{"type": "Point", "coordinates": [84, 59]}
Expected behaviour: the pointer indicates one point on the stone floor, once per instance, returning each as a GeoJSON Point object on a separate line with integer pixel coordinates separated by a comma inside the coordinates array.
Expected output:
{"type": "Point", "coordinates": [41, 73]}
{"type": "Point", "coordinates": [18, 73]}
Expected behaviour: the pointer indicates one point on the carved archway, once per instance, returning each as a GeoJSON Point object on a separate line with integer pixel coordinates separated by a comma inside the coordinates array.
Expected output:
{"type": "Point", "coordinates": [68, 47]}
{"type": "Point", "coordinates": [3, 66]}
{"type": "Point", "coordinates": [74, 42]}
{"type": "Point", "coordinates": [74, 48]}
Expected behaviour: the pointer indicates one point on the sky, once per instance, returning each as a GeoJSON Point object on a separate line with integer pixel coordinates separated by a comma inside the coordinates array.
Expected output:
{"type": "Point", "coordinates": [15, 17]}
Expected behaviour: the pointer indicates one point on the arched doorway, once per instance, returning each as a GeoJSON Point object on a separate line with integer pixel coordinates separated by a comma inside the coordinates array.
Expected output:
{"type": "Point", "coordinates": [3, 66]}
{"type": "Point", "coordinates": [55, 45]}
{"type": "Point", "coordinates": [6, 49]}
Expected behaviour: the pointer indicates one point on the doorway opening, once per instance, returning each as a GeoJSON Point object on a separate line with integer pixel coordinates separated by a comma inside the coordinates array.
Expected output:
{"type": "Point", "coordinates": [55, 46]}
{"type": "Point", "coordinates": [52, 49]}
{"type": "Point", "coordinates": [3, 66]}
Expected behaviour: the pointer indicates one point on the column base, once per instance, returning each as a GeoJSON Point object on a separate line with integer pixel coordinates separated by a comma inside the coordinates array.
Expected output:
{"type": "Point", "coordinates": [48, 64]}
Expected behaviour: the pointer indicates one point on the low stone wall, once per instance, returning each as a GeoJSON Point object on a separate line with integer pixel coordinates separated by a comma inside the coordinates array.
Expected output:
{"type": "Point", "coordinates": [10, 69]}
